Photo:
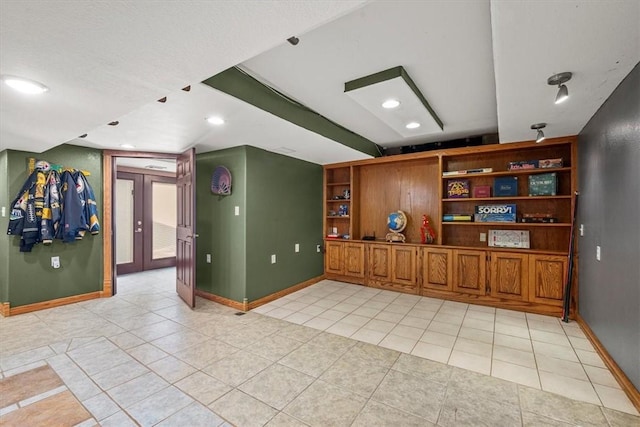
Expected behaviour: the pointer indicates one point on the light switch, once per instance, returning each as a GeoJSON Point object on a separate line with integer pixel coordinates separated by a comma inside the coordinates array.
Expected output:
{"type": "Point", "coordinates": [297, 247]}
{"type": "Point", "coordinates": [237, 210]}
{"type": "Point", "coordinates": [582, 229]}
{"type": "Point", "coordinates": [273, 259]}
{"type": "Point", "coordinates": [597, 253]}
{"type": "Point", "coordinates": [208, 258]}
{"type": "Point", "coordinates": [4, 212]}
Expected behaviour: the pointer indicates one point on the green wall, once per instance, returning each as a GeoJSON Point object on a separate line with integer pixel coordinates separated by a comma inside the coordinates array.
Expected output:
{"type": "Point", "coordinates": [30, 277]}
{"type": "Point", "coordinates": [284, 207]}
{"type": "Point", "coordinates": [280, 202]}
{"type": "Point", "coordinates": [4, 220]}
{"type": "Point", "coordinates": [220, 232]}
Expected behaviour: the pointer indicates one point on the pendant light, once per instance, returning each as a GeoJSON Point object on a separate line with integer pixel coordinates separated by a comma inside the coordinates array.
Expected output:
{"type": "Point", "coordinates": [540, 135]}
{"type": "Point", "coordinates": [559, 80]}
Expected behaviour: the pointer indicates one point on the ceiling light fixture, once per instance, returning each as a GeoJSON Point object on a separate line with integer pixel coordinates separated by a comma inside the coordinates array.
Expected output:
{"type": "Point", "coordinates": [559, 80]}
{"type": "Point", "coordinates": [215, 120]}
{"type": "Point", "coordinates": [128, 146]}
{"type": "Point", "coordinates": [388, 89]}
{"type": "Point", "coordinates": [114, 123]}
{"type": "Point", "coordinates": [390, 103]}
{"type": "Point", "coordinates": [293, 40]}
{"type": "Point", "coordinates": [540, 135]}
{"type": "Point", "coordinates": [30, 87]}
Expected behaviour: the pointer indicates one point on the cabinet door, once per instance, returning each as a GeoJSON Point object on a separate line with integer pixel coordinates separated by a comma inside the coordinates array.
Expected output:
{"type": "Point", "coordinates": [354, 259]}
{"type": "Point", "coordinates": [403, 267]}
{"type": "Point", "coordinates": [333, 257]}
{"type": "Point", "coordinates": [470, 272]}
{"type": "Point", "coordinates": [380, 263]}
{"type": "Point", "coordinates": [437, 269]}
{"type": "Point", "coordinates": [509, 275]}
{"type": "Point", "coordinates": [547, 274]}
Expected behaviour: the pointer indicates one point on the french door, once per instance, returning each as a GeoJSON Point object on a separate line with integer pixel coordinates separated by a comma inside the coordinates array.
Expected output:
{"type": "Point", "coordinates": [146, 222]}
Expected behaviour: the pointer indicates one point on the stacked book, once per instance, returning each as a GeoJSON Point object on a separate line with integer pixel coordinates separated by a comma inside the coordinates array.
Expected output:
{"type": "Point", "coordinates": [467, 171]}
{"type": "Point", "coordinates": [457, 217]}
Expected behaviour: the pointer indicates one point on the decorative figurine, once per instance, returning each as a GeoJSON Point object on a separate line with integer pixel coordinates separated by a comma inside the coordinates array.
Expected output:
{"type": "Point", "coordinates": [426, 231]}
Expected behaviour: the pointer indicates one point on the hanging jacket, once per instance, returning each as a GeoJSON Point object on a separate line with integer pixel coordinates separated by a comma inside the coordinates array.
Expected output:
{"type": "Point", "coordinates": [88, 201]}
{"type": "Point", "coordinates": [26, 211]}
{"type": "Point", "coordinates": [72, 210]}
{"type": "Point", "coordinates": [51, 211]}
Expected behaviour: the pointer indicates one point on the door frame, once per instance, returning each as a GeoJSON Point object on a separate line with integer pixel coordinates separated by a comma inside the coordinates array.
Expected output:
{"type": "Point", "coordinates": [109, 274]}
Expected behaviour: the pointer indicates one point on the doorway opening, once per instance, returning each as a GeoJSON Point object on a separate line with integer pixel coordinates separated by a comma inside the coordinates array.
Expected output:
{"type": "Point", "coordinates": [145, 214]}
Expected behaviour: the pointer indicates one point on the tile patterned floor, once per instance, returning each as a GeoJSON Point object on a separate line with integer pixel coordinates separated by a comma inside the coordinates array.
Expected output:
{"type": "Point", "coordinates": [144, 358]}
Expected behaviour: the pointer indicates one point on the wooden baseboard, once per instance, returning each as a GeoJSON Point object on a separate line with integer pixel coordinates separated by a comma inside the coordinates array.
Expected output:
{"type": "Point", "coordinates": [12, 311]}
{"type": "Point", "coordinates": [5, 309]}
{"type": "Point", "coordinates": [222, 300]}
{"type": "Point", "coordinates": [274, 296]}
{"type": "Point", "coordinates": [246, 306]}
{"type": "Point", "coordinates": [624, 381]}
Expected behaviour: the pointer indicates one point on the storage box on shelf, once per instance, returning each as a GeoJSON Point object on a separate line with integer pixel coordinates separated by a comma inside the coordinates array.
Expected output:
{"type": "Point", "coordinates": [460, 266]}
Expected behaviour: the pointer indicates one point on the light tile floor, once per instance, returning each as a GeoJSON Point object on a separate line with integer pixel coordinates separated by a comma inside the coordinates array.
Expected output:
{"type": "Point", "coordinates": [144, 358]}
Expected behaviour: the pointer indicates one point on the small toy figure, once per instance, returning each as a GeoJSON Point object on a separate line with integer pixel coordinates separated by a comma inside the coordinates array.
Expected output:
{"type": "Point", "coordinates": [426, 231]}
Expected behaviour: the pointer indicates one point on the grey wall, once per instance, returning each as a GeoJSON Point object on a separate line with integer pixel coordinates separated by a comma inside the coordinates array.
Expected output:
{"type": "Point", "coordinates": [609, 177]}
{"type": "Point", "coordinates": [4, 221]}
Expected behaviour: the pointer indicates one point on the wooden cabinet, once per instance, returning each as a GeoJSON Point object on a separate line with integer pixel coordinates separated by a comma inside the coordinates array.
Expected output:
{"type": "Point", "coordinates": [470, 272]}
{"type": "Point", "coordinates": [461, 265]}
{"type": "Point", "coordinates": [436, 268]}
{"type": "Point", "coordinates": [403, 268]}
{"type": "Point", "coordinates": [547, 275]}
{"type": "Point", "coordinates": [379, 264]}
{"type": "Point", "coordinates": [333, 257]}
{"type": "Point", "coordinates": [509, 275]}
{"type": "Point", "coordinates": [354, 259]}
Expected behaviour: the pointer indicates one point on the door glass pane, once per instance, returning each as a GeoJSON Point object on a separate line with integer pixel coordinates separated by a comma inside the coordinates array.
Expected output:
{"type": "Point", "coordinates": [124, 221]}
{"type": "Point", "coordinates": [163, 241]}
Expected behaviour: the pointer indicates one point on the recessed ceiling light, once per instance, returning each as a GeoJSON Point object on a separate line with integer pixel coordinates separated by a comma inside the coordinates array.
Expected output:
{"type": "Point", "coordinates": [23, 85]}
{"type": "Point", "coordinates": [127, 146]}
{"type": "Point", "coordinates": [215, 120]}
{"type": "Point", "coordinates": [412, 125]}
{"type": "Point", "coordinates": [390, 103]}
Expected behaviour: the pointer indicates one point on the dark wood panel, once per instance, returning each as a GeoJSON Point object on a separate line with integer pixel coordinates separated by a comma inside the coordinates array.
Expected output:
{"type": "Point", "coordinates": [354, 259]}
{"type": "Point", "coordinates": [403, 265]}
{"type": "Point", "coordinates": [437, 269]}
{"type": "Point", "coordinates": [469, 272]}
{"type": "Point", "coordinates": [333, 257]}
{"type": "Point", "coordinates": [379, 268]}
{"type": "Point", "coordinates": [546, 277]}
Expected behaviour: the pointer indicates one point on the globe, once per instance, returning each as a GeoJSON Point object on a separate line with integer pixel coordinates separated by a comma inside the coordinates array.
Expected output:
{"type": "Point", "coordinates": [397, 221]}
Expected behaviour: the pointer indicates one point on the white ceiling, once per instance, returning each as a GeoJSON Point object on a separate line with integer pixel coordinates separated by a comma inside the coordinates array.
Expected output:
{"type": "Point", "coordinates": [482, 65]}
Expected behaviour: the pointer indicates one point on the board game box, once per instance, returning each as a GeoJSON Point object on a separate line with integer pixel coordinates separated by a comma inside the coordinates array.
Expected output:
{"type": "Point", "coordinates": [550, 163]}
{"type": "Point", "coordinates": [509, 238]}
{"type": "Point", "coordinates": [505, 186]}
{"type": "Point", "coordinates": [545, 184]}
{"type": "Point", "coordinates": [480, 191]}
{"type": "Point", "coordinates": [458, 188]}
{"type": "Point", "coordinates": [495, 213]}
{"type": "Point", "coordinates": [525, 164]}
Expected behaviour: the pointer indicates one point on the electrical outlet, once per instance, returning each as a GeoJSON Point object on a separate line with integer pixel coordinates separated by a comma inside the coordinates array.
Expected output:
{"type": "Point", "coordinates": [483, 237]}
{"type": "Point", "coordinates": [598, 253]}
{"type": "Point", "coordinates": [237, 210]}
{"type": "Point", "coordinates": [273, 259]}
{"type": "Point", "coordinates": [297, 247]}
{"type": "Point", "coordinates": [318, 248]}
{"type": "Point", "coordinates": [208, 258]}
{"type": "Point", "coordinates": [55, 261]}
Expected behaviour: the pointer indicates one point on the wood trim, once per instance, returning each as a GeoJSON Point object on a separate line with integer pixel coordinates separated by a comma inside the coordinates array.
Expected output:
{"type": "Point", "coordinates": [143, 171]}
{"type": "Point", "coordinates": [625, 383]}
{"type": "Point", "coordinates": [448, 152]}
{"type": "Point", "coordinates": [222, 300]}
{"type": "Point", "coordinates": [107, 273]}
{"type": "Point", "coordinates": [53, 303]}
{"type": "Point", "coordinates": [5, 309]}
{"type": "Point", "coordinates": [274, 296]}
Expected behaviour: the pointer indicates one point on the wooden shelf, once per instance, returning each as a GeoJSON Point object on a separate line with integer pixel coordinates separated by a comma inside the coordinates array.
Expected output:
{"type": "Point", "coordinates": [509, 173]}
{"type": "Point", "coordinates": [339, 201]}
{"type": "Point", "coordinates": [505, 199]}
{"type": "Point", "coordinates": [508, 224]}
{"type": "Point", "coordinates": [338, 183]}
{"type": "Point", "coordinates": [338, 217]}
